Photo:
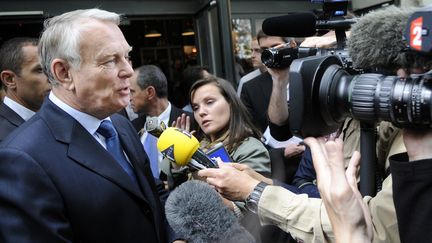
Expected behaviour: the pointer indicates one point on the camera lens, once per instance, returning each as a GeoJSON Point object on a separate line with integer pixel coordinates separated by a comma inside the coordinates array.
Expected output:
{"type": "Point", "coordinates": [324, 94]}
{"type": "Point", "coordinates": [268, 57]}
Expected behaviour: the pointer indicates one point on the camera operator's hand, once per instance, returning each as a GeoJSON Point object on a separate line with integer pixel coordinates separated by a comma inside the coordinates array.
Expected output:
{"type": "Point", "coordinates": [349, 215]}
{"type": "Point", "coordinates": [326, 41]}
{"type": "Point", "coordinates": [230, 182]}
{"type": "Point", "coordinates": [293, 149]}
{"type": "Point", "coordinates": [278, 107]}
{"type": "Point", "coordinates": [319, 42]}
{"type": "Point", "coordinates": [418, 143]}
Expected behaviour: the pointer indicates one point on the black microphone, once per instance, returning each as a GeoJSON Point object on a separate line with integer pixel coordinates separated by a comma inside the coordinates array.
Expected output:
{"type": "Point", "coordinates": [377, 41]}
{"type": "Point", "coordinates": [196, 212]}
{"type": "Point", "coordinates": [292, 25]}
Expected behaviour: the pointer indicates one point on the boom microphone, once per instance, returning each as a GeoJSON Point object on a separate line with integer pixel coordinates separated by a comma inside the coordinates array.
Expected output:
{"type": "Point", "coordinates": [196, 212]}
{"type": "Point", "coordinates": [376, 39]}
{"type": "Point", "coordinates": [182, 148]}
{"type": "Point", "coordinates": [292, 25]}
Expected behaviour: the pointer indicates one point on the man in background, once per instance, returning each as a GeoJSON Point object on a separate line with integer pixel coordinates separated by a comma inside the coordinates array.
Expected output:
{"type": "Point", "coordinates": [149, 98]}
{"type": "Point", "coordinates": [24, 83]}
{"type": "Point", "coordinates": [256, 63]}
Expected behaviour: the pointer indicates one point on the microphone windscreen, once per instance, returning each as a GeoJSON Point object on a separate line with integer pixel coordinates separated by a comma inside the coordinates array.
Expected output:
{"type": "Point", "coordinates": [177, 145]}
{"type": "Point", "coordinates": [292, 25]}
{"type": "Point", "coordinates": [154, 126]}
{"type": "Point", "coordinates": [376, 40]}
{"type": "Point", "coordinates": [195, 211]}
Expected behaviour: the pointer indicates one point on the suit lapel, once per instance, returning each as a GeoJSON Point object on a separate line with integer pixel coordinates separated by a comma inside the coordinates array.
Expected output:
{"type": "Point", "coordinates": [134, 149]}
{"type": "Point", "coordinates": [138, 123]}
{"type": "Point", "coordinates": [99, 160]}
{"type": "Point", "coordinates": [141, 165]}
{"type": "Point", "coordinates": [84, 149]}
{"type": "Point", "coordinates": [175, 112]}
{"type": "Point", "coordinates": [266, 86]}
{"type": "Point", "coordinates": [10, 115]}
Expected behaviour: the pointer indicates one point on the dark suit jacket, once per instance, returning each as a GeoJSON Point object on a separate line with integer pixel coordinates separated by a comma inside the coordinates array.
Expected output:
{"type": "Point", "coordinates": [255, 95]}
{"type": "Point", "coordinates": [139, 122]}
{"type": "Point", "coordinates": [9, 120]}
{"type": "Point", "coordinates": [58, 184]}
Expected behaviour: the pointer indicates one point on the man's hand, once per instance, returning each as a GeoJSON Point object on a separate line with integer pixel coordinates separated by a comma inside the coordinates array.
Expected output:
{"type": "Point", "coordinates": [251, 172]}
{"type": "Point", "coordinates": [230, 182]}
{"type": "Point", "coordinates": [349, 215]}
{"type": "Point", "coordinates": [293, 149]}
{"type": "Point", "coordinates": [278, 107]}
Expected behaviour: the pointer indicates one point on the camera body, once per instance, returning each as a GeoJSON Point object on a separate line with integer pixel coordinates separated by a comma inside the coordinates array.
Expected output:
{"type": "Point", "coordinates": [282, 57]}
{"type": "Point", "coordinates": [325, 91]}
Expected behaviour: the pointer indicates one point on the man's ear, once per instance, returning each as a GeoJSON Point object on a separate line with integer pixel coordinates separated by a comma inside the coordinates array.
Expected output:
{"type": "Point", "coordinates": [151, 92]}
{"type": "Point", "coordinates": [8, 78]}
{"type": "Point", "coordinates": [61, 72]}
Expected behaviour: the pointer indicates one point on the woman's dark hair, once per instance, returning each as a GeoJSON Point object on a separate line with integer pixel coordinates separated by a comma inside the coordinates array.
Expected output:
{"type": "Point", "coordinates": [240, 125]}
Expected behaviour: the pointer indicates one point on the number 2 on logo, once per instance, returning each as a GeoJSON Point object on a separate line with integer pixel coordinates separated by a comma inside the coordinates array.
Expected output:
{"type": "Point", "coordinates": [416, 33]}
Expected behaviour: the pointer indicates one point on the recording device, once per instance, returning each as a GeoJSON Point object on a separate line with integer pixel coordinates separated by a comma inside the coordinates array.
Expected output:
{"type": "Point", "coordinates": [282, 57]}
{"type": "Point", "coordinates": [332, 8]}
{"type": "Point", "coordinates": [219, 151]}
{"type": "Point", "coordinates": [324, 93]}
{"type": "Point", "coordinates": [182, 148]}
{"type": "Point", "coordinates": [196, 212]}
{"type": "Point", "coordinates": [304, 25]}
{"type": "Point", "coordinates": [307, 24]}
{"type": "Point", "coordinates": [293, 25]}
{"type": "Point", "coordinates": [154, 126]}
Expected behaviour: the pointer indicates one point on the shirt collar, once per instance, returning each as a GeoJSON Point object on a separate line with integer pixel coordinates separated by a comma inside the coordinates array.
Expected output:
{"type": "Point", "coordinates": [90, 123]}
{"type": "Point", "coordinates": [164, 116]}
{"type": "Point", "coordinates": [21, 110]}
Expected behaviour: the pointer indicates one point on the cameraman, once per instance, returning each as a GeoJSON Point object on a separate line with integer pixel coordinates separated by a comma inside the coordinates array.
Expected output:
{"type": "Point", "coordinates": [412, 189]}
{"type": "Point", "coordinates": [306, 218]}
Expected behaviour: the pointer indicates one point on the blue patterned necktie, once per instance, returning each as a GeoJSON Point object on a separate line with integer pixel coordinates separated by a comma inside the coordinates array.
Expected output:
{"type": "Point", "coordinates": [113, 146]}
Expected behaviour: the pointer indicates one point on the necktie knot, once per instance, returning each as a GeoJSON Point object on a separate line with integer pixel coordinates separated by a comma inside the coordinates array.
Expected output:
{"type": "Point", "coordinates": [107, 129]}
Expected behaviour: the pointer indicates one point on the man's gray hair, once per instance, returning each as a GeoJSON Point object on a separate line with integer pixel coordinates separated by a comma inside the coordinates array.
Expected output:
{"type": "Point", "coordinates": [62, 36]}
{"type": "Point", "coordinates": [151, 75]}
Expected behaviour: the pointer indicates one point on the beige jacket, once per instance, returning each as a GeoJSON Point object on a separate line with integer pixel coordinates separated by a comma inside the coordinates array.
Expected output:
{"type": "Point", "coordinates": [306, 218]}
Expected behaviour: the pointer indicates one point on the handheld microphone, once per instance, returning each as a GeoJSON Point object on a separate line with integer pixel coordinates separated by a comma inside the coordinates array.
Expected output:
{"type": "Point", "coordinates": [292, 25]}
{"type": "Point", "coordinates": [376, 39]}
{"type": "Point", "coordinates": [182, 148]}
{"type": "Point", "coordinates": [154, 126]}
{"type": "Point", "coordinates": [196, 212]}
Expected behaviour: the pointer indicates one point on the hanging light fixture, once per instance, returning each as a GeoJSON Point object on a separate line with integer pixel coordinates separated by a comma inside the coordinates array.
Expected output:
{"type": "Point", "coordinates": [153, 33]}
{"type": "Point", "coordinates": [188, 32]}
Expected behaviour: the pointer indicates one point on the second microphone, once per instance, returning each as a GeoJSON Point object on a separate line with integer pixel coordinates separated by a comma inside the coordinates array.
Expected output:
{"type": "Point", "coordinates": [182, 148]}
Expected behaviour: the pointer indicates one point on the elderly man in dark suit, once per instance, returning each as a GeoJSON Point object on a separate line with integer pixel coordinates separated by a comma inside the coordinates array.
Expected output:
{"type": "Point", "coordinates": [76, 171]}
{"type": "Point", "coordinates": [24, 83]}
